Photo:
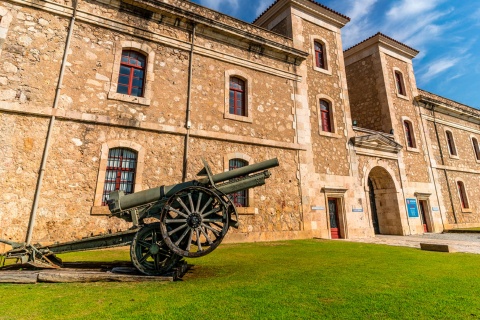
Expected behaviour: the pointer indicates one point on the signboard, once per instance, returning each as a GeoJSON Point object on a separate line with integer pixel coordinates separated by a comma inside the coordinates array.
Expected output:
{"type": "Point", "coordinates": [357, 209]}
{"type": "Point", "coordinates": [318, 208]}
{"type": "Point", "coordinates": [412, 208]}
{"type": "Point", "coordinates": [435, 209]}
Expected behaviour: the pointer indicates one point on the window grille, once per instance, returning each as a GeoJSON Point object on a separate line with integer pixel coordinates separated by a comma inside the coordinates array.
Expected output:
{"type": "Point", "coordinates": [120, 172]}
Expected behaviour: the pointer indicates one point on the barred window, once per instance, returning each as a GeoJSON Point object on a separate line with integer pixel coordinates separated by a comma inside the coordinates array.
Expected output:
{"type": "Point", "coordinates": [120, 172]}
{"type": "Point", "coordinates": [240, 199]}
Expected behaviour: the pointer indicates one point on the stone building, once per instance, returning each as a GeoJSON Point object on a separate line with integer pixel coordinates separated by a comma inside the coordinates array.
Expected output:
{"type": "Point", "coordinates": [101, 95]}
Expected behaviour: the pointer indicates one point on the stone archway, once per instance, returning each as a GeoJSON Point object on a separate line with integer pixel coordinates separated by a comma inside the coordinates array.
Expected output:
{"type": "Point", "coordinates": [384, 206]}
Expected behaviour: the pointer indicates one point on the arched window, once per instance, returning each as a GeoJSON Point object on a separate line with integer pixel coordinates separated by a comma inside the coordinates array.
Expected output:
{"type": "Point", "coordinates": [320, 60]}
{"type": "Point", "coordinates": [409, 137]}
{"type": "Point", "coordinates": [120, 172]}
{"type": "Point", "coordinates": [325, 115]}
{"type": "Point", "coordinates": [399, 83]}
{"type": "Point", "coordinates": [240, 199]}
{"type": "Point", "coordinates": [131, 78]}
{"type": "Point", "coordinates": [463, 195]}
{"type": "Point", "coordinates": [476, 148]}
{"type": "Point", "coordinates": [451, 143]}
{"type": "Point", "coordinates": [237, 97]}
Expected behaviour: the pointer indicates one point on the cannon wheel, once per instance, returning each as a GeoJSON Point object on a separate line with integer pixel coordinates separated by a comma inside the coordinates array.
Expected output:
{"type": "Point", "coordinates": [149, 253]}
{"type": "Point", "coordinates": [194, 221]}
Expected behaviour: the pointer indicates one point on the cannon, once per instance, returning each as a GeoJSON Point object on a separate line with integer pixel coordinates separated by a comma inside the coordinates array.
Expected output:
{"type": "Point", "coordinates": [188, 219]}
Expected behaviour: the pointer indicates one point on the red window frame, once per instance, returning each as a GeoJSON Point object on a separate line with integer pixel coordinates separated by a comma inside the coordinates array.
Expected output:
{"type": "Point", "coordinates": [240, 199]}
{"type": "Point", "coordinates": [463, 195]}
{"type": "Point", "coordinates": [451, 144]}
{"type": "Point", "coordinates": [400, 83]}
{"type": "Point", "coordinates": [320, 55]}
{"type": "Point", "coordinates": [120, 172]}
{"type": "Point", "coordinates": [409, 134]}
{"type": "Point", "coordinates": [131, 77]}
{"type": "Point", "coordinates": [476, 148]}
{"type": "Point", "coordinates": [325, 114]}
{"type": "Point", "coordinates": [237, 97]}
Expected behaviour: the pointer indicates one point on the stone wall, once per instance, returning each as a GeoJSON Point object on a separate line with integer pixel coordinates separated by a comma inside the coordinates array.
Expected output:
{"type": "Point", "coordinates": [362, 87]}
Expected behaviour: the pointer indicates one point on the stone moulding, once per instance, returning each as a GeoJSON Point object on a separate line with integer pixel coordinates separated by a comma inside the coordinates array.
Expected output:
{"type": "Point", "coordinates": [377, 142]}
{"type": "Point", "coordinates": [143, 125]}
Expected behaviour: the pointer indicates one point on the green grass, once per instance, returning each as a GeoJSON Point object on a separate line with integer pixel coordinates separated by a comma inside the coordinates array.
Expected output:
{"type": "Point", "coordinates": [305, 279]}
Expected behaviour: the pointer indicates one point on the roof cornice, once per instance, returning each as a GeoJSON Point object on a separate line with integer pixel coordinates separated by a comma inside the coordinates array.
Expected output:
{"type": "Point", "coordinates": [382, 40]}
{"type": "Point", "coordinates": [313, 8]}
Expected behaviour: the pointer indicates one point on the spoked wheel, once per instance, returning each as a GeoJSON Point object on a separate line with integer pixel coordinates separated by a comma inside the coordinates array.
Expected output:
{"type": "Point", "coordinates": [194, 222]}
{"type": "Point", "coordinates": [149, 253]}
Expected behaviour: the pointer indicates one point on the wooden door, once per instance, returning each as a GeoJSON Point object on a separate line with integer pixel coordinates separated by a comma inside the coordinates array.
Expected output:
{"type": "Point", "coordinates": [422, 206]}
{"type": "Point", "coordinates": [334, 222]}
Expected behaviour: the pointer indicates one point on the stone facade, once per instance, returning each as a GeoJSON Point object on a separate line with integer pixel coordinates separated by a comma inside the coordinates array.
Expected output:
{"type": "Point", "coordinates": [59, 101]}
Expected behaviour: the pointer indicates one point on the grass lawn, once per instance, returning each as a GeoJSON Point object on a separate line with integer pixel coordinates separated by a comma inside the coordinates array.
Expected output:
{"type": "Point", "coordinates": [307, 279]}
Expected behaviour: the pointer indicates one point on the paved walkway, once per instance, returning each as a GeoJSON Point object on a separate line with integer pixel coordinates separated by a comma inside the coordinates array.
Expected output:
{"type": "Point", "coordinates": [465, 242]}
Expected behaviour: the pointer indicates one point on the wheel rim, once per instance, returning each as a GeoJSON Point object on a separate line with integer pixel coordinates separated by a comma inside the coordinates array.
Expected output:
{"type": "Point", "coordinates": [149, 253]}
{"type": "Point", "coordinates": [194, 222]}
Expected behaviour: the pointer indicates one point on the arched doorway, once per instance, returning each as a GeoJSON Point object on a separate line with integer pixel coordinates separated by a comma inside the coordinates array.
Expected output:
{"type": "Point", "coordinates": [384, 206]}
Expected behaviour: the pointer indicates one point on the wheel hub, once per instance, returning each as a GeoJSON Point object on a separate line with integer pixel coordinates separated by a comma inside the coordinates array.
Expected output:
{"type": "Point", "coordinates": [194, 220]}
{"type": "Point", "coordinates": [154, 249]}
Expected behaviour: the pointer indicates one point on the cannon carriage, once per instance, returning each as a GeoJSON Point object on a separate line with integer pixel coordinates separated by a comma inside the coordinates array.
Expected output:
{"type": "Point", "coordinates": [189, 219]}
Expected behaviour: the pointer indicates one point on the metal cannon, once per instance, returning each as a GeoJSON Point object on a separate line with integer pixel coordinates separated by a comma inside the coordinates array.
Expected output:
{"type": "Point", "coordinates": [188, 219]}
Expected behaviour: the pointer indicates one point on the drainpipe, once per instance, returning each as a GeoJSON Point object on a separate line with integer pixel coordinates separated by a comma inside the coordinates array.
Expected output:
{"type": "Point", "coordinates": [189, 92]}
{"type": "Point", "coordinates": [443, 164]}
{"type": "Point", "coordinates": [36, 198]}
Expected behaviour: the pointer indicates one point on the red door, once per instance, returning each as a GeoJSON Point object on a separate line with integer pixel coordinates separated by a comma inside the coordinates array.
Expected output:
{"type": "Point", "coordinates": [423, 209]}
{"type": "Point", "coordinates": [334, 224]}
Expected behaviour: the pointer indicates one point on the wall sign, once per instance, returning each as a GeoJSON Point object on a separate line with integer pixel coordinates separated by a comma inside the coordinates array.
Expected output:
{"type": "Point", "coordinates": [357, 209]}
{"type": "Point", "coordinates": [318, 208]}
{"type": "Point", "coordinates": [435, 209]}
{"type": "Point", "coordinates": [412, 208]}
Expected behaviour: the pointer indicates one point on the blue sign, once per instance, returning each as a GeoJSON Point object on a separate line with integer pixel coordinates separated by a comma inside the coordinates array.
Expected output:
{"type": "Point", "coordinates": [412, 208]}
{"type": "Point", "coordinates": [435, 209]}
{"type": "Point", "coordinates": [357, 209]}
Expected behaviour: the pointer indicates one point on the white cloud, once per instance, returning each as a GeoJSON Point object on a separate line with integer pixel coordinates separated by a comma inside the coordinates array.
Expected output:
{"type": "Point", "coordinates": [262, 6]}
{"type": "Point", "coordinates": [409, 8]}
{"type": "Point", "coordinates": [360, 24]}
{"type": "Point", "coordinates": [439, 66]}
{"type": "Point", "coordinates": [228, 6]}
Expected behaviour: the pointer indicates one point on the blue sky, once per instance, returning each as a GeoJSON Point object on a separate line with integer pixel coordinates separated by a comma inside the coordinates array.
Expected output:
{"type": "Point", "coordinates": [446, 32]}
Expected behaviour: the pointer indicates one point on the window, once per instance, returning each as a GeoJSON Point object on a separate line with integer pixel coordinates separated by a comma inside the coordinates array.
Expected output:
{"type": "Point", "coordinates": [320, 61]}
{"type": "Point", "coordinates": [451, 143]}
{"type": "Point", "coordinates": [120, 172]}
{"type": "Point", "coordinates": [132, 76]}
{"type": "Point", "coordinates": [240, 199]}
{"type": "Point", "coordinates": [476, 148]}
{"type": "Point", "coordinates": [325, 114]}
{"type": "Point", "coordinates": [399, 83]}
{"type": "Point", "coordinates": [463, 195]}
{"type": "Point", "coordinates": [132, 73]}
{"type": "Point", "coordinates": [237, 97]}
{"type": "Point", "coordinates": [409, 137]}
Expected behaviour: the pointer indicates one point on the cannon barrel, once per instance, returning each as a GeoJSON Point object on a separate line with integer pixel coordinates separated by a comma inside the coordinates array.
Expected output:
{"type": "Point", "coordinates": [119, 202]}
